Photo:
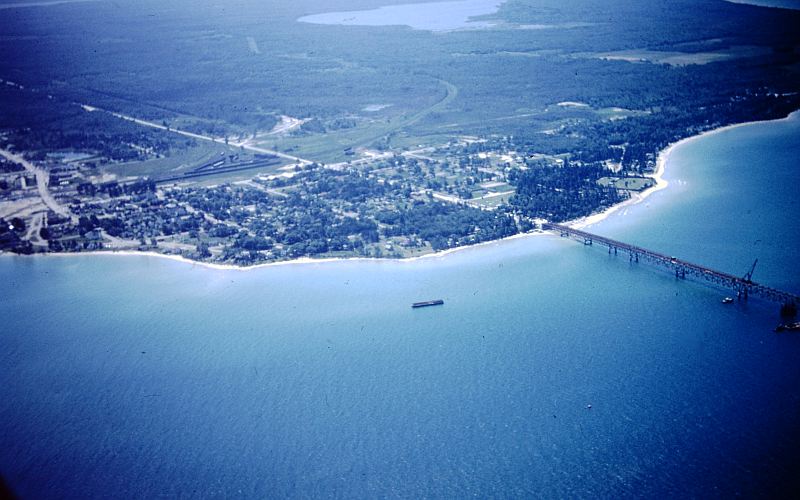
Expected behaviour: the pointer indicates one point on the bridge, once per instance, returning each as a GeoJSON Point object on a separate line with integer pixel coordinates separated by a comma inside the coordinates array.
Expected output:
{"type": "Point", "coordinates": [743, 287]}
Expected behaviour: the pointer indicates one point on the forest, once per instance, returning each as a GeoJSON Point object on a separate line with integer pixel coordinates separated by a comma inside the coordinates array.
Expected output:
{"type": "Point", "coordinates": [201, 75]}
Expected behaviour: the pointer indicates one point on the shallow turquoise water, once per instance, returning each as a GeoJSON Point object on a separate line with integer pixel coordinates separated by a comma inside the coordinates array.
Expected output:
{"type": "Point", "coordinates": [732, 198]}
{"type": "Point", "coordinates": [139, 376]}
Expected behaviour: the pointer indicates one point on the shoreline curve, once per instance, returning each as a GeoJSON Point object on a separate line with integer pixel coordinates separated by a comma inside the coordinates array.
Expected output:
{"type": "Point", "coordinates": [580, 223]}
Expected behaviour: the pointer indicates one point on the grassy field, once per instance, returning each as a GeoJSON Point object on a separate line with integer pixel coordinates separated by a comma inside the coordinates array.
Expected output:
{"type": "Point", "coordinates": [182, 161]}
{"type": "Point", "coordinates": [330, 146]}
{"type": "Point", "coordinates": [176, 162]}
{"type": "Point", "coordinates": [491, 202]}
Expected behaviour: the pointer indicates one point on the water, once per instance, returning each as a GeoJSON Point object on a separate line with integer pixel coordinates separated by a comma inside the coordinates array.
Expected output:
{"type": "Point", "coordinates": [434, 16]}
{"type": "Point", "coordinates": [143, 377]}
{"type": "Point", "coordinates": [731, 199]}
{"type": "Point", "coordinates": [16, 5]}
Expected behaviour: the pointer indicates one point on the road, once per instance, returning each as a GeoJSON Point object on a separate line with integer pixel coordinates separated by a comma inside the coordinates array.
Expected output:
{"type": "Point", "coordinates": [186, 133]}
{"type": "Point", "coordinates": [42, 180]}
{"type": "Point", "coordinates": [267, 190]}
{"type": "Point", "coordinates": [34, 230]}
{"type": "Point", "coordinates": [451, 92]}
{"type": "Point", "coordinates": [344, 165]}
{"type": "Point", "coordinates": [288, 123]}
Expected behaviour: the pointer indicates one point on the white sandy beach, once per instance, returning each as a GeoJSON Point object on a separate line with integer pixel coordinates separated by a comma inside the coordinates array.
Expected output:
{"type": "Point", "coordinates": [300, 261]}
{"type": "Point", "coordinates": [658, 175]}
{"type": "Point", "coordinates": [581, 223]}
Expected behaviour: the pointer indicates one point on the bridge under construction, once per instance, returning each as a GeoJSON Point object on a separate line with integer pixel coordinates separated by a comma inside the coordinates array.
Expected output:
{"type": "Point", "coordinates": [742, 287]}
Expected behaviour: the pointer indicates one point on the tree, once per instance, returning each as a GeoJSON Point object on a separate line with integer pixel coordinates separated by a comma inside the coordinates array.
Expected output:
{"type": "Point", "coordinates": [18, 224]}
{"type": "Point", "coordinates": [203, 251]}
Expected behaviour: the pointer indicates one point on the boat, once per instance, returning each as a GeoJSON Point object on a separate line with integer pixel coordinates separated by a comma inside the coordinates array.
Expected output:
{"type": "Point", "coordinates": [788, 327]}
{"type": "Point", "coordinates": [427, 303]}
{"type": "Point", "coordinates": [727, 300]}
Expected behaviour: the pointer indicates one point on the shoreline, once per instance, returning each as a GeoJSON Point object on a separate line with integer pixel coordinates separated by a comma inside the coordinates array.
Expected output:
{"type": "Point", "coordinates": [580, 223]}
{"type": "Point", "coordinates": [763, 3]}
{"type": "Point", "coordinates": [658, 175]}
{"type": "Point", "coordinates": [301, 261]}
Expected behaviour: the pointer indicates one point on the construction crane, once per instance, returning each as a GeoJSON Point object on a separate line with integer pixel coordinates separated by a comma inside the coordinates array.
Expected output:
{"type": "Point", "coordinates": [748, 278]}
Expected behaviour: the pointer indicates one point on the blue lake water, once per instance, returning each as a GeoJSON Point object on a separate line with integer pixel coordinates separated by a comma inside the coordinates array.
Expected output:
{"type": "Point", "coordinates": [732, 198]}
{"type": "Point", "coordinates": [433, 16]}
{"type": "Point", "coordinates": [144, 377]}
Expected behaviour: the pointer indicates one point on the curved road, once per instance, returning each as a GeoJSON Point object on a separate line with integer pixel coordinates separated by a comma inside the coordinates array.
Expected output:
{"type": "Point", "coordinates": [42, 179]}
{"type": "Point", "coordinates": [451, 92]}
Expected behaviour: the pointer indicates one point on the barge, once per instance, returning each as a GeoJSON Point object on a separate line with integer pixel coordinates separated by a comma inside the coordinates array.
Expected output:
{"type": "Point", "coordinates": [427, 303]}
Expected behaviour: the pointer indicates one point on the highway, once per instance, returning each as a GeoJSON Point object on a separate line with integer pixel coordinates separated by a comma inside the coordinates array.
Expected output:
{"type": "Point", "coordinates": [186, 133]}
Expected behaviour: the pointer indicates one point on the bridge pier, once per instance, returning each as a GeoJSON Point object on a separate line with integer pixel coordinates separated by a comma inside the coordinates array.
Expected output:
{"type": "Point", "coordinates": [742, 293]}
{"type": "Point", "coordinates": [742, 287]}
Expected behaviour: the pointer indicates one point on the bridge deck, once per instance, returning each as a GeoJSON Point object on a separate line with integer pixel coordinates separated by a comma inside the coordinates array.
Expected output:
{"type": "Point", "coordinates": [740, 286]}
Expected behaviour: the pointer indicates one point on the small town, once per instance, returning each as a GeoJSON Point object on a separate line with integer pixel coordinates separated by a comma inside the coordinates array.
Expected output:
{"type": "Point", "coordinates": [245, 208]}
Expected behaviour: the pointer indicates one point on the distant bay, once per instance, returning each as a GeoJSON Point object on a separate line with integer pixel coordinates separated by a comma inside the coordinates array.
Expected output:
{"type": "Point", "coordinates": [434, 16]}
{"type": "Point", "coordinates": [551, 370]}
